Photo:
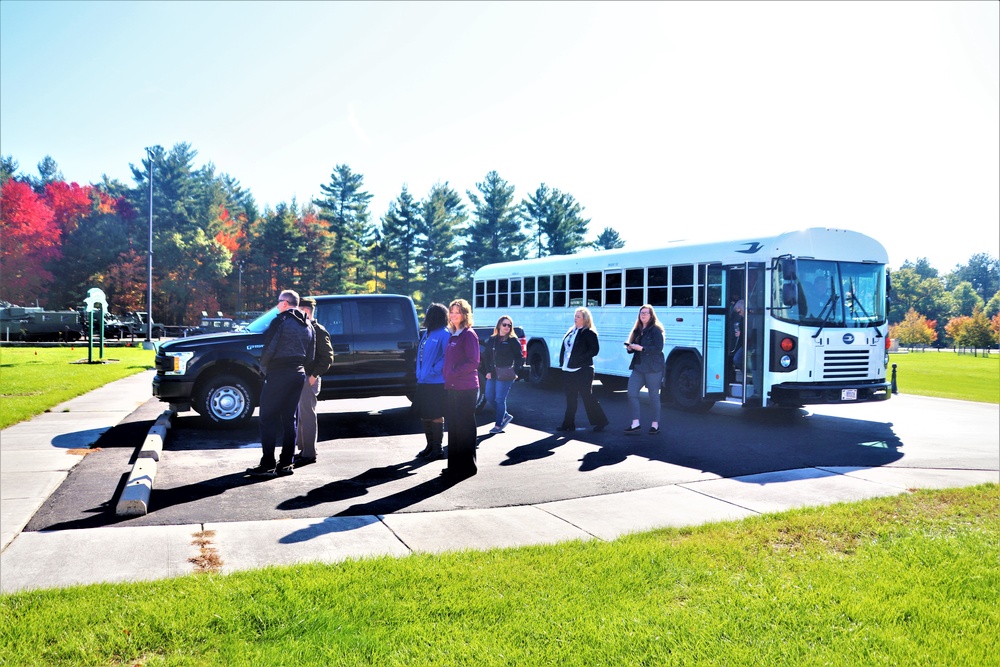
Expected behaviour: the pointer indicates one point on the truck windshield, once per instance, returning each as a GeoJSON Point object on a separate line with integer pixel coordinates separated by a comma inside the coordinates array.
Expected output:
{"type": "Point", "coordinates": [828, 294]}
{"type": "Point", "coordinates": [259, 325]}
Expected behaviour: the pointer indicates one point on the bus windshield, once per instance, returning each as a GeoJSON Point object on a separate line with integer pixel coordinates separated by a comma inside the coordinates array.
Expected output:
{"type": "Point", "coordinates": [828, 294]}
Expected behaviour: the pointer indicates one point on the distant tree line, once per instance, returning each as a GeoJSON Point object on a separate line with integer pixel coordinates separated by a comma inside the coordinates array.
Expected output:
{"type": "Point", "coordinates": [214, 249]}
{"type": "Point", "coordinates": [959, 309]}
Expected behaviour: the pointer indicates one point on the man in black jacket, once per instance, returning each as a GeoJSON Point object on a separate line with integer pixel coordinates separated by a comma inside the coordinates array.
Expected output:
{"type": "Point", "coordinates": [305, 419]}
{"type": "Point", "coordinates": [288, 348]}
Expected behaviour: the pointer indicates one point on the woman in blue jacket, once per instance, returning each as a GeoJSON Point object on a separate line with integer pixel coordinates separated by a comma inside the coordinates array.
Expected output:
{"type": "Point", "coordinates": [429, 400]}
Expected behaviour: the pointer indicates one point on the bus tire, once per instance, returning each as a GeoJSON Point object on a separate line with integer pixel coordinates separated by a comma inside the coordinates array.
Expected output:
{"type": "Point", "coordinates": [538, 362]}
{"type": "Point", "coordinates": [685, 385]}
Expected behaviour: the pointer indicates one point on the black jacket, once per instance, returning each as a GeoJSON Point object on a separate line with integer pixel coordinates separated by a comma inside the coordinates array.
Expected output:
{"type": "Point", "coordinates": [585, 348]}
{"type": "Point", "coordinates": [323, 357]}
{"type": "Point", "coordinates": [502, 354]}
{"type": "Point", "coordinates": [288, 342]}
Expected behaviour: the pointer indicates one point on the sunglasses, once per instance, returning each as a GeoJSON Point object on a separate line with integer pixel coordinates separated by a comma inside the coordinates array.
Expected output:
{"type": "Point", "coordinates": [505, 325]}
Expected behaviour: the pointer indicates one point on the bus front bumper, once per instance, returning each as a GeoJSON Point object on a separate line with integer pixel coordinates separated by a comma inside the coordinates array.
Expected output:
{"type": "Point", "coordinates": [811, 394]}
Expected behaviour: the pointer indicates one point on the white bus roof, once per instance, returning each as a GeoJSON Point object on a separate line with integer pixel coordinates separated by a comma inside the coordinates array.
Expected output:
{"type": "Point", "coordinates": [815, 243]}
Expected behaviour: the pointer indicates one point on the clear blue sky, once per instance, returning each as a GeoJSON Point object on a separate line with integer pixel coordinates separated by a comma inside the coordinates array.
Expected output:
{"type": "Point", "coordinates": [664, 120]}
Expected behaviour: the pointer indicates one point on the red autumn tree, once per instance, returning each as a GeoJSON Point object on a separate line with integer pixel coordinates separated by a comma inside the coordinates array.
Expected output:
{"type": "Point", "coordinates": [30, 240]}
{"type": "Point", "coordinates": [69, 203]}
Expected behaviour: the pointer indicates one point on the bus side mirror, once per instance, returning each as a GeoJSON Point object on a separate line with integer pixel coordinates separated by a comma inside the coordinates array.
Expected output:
{"type": "Point", "coordinates": [788, 270]}
{"type": "Point", "coordinates": [789, 294]}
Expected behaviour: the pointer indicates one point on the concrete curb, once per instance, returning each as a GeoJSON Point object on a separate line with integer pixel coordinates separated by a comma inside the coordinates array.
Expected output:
{"type": "Point", "coordinates": [134, 500]}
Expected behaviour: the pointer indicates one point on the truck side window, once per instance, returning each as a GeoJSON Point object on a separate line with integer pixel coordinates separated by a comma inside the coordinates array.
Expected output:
{"type": "Point", "coordinates": [331, 316]}
{"type": "Point", "coordinates": [381, 318]}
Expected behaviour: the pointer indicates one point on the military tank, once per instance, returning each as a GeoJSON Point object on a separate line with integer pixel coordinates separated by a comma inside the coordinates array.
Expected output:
{"type": "Point", "coordinates": [32, 323]}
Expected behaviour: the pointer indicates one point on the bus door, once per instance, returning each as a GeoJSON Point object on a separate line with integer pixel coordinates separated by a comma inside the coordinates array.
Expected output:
{"type": "Point", "coordinates": [743, 315]}
{"type": "Point", "coordinates": [714, 342]}
{"type": "Point", "coordinates": [753, 341]}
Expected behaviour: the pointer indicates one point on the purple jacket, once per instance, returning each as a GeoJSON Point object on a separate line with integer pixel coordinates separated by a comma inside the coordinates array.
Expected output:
{"type": "Point", "coordinates": [461, 361]}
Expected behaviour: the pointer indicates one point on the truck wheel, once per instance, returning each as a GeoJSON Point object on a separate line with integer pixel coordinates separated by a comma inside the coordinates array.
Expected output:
{"type": "Point", "coordinates": [538, 362]}
{"type": "Point", "coordinates": [685, 385]}
{"type": "Point", "coordinates": [226, 401]}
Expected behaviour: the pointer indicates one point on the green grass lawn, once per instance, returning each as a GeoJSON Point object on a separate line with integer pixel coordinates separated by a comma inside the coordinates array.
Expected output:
{"type": "Point", "coordinates": [948, 374]}
{"type": "Point", "coordinates": [907, 580]}
{"type": "Point", "coordinates": [35, 379]}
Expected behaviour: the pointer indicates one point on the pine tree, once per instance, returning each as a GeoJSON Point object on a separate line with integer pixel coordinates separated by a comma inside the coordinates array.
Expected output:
{"type": "Point", "coordinates": [400, 231]}
{"type": "Point", "coordinates": [494, 235]}
{"type": "Point", "coordinates": [442, 221]}
{"type": "Point", "coordinates": [536, 211]}
{"type": "Point", "coordinates": [609, 239]}
{"type": "Point", "coordinates": [345, 208]}
{"type": "Point", "coordinates": [566, 227]}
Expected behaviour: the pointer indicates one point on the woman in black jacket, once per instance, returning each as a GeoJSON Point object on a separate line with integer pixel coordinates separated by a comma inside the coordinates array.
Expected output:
{"type": "Point", "coordinates": [576, 359]}
{"type": "Point", "coordinates": [501, 360]}
{"type": "Point", "coordinates": [645, 344]}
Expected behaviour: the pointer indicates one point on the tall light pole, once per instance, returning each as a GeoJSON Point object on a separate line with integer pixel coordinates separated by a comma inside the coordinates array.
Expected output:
{"type": "Point", "coordinates": [239, 290]}
{"type": "Point", "coordinates": [148, 343]}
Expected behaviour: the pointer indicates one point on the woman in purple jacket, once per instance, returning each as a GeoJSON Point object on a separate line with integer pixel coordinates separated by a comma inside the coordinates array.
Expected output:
{"type": "Point", "coordinates": [461, 386]}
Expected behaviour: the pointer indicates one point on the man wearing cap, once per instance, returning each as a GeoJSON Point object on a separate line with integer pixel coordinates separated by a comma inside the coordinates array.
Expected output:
{"type": "Point", "coordinates": [306, 424]}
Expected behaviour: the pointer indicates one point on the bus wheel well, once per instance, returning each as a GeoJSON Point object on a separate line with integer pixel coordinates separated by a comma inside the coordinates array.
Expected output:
{"type": "Point", "coordinates": [684, 383]}
{"type": "Point", "coordinates": [538, 363]}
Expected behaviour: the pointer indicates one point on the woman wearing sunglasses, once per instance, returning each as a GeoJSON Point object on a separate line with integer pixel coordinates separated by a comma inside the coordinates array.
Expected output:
{"type": "Point", "coordinates": [501, 360]}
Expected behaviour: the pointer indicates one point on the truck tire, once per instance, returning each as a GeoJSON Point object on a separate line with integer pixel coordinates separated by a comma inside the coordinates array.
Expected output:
{"type": "Point", "coordinates": [226, 401]}
{"type": "Point", "coordinates": [685, 385]}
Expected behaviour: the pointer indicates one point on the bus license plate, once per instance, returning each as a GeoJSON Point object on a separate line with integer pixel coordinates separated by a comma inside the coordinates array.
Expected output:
{"type": "Point", "coordinates": [848, 394]}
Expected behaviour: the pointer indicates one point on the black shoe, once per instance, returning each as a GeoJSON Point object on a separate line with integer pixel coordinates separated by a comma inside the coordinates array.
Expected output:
{"type": "Point", "coordinates": [262, 470]}
{"type": "Point", "coordinates": [600, 427]}
{"type": "Point", "coordinates": [653, 430]}
{"type": "Point", "coordinates": [632, 429]}
{"type": "Point", "coordinates": [300, 461]}
{"type": "Point", "coordinates": [564, 428]}
{"type": "Point", "coordinates": [284, 470]}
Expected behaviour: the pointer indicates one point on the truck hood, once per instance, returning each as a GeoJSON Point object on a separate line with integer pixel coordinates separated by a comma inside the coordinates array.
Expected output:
{"type": "Point", "coordinates": [205, 341]}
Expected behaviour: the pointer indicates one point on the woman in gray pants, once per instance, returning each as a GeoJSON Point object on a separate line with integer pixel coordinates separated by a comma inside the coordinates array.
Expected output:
{"type": "Point", "coordinates": [645, 344]}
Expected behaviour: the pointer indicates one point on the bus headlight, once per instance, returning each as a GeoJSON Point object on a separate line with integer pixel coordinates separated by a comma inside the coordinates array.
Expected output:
{"type": "Point", "coordinates": [784, 358]}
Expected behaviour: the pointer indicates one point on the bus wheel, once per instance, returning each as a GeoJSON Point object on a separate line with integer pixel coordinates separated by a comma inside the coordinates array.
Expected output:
{"type": "Point", "coordinates": [538, 361]}
{"type": "Point", "coordinates": [685, 385]}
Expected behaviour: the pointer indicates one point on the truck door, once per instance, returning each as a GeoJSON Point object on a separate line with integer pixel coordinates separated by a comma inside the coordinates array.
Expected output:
{"type": "Point", "coordinates": [383, 342]}
{"type": "Point", "coordinates": [332, 316]}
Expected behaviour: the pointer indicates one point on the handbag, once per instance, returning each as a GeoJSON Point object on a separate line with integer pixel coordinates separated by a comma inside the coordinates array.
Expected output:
{"type": "Point", "coordinates": [506, 374]}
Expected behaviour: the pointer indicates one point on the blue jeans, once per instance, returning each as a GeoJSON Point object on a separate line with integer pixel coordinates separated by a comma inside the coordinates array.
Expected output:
{"type": "Point", "coordinates": [496, 395]}
{"type": "Point", "coordinates": [652, 382]}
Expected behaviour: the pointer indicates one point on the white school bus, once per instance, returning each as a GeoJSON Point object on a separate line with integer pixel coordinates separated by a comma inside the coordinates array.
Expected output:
{"type": "Point", "coordinates": [815, 315]}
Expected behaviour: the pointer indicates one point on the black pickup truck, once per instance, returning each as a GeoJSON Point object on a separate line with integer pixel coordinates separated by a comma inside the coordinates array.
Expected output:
{"type": "Point", "coordinates": [374, 342]}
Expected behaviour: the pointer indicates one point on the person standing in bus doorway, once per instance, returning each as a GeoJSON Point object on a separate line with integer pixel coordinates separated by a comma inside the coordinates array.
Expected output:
{"type": "Point", "coordinates": [461, 388]}
{"type": "Point", "coordinates": [576, 359]}
{"type": "Point", "coordinates": [306, 424]}
{"type": "Point", "coordinates": [429, 399]}
{"type": "Point", "coordinates": [645, 344]}
{"type": "Point", "coordinates": [502, 361]}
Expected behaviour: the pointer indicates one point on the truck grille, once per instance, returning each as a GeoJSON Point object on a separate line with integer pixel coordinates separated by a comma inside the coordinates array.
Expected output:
{"type": "Point", "coordinates": [845, 364]}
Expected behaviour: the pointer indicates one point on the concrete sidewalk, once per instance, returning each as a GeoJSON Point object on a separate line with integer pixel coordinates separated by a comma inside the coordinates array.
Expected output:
{"type": "Point", "coordinates": [36, 456]}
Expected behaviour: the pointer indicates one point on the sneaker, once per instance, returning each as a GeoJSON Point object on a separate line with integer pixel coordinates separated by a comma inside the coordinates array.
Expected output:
{"type": "Point", "coordinates": [654, 430]}
{"type": "Point", "coordinates": [262, 470]}
{"type": "Point", "coordinates": [506, 420]}
{"type": "Point", "coordinates": [600, 427]}
{"type": "Point", "coordinates": [300, 461]}
{"type": "Point", "coordinates": [284, 470]}
{"type": "Point", "coordinates": [496, 429]}
{"type": "Point", "coordinates": [632, 429]}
